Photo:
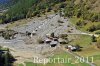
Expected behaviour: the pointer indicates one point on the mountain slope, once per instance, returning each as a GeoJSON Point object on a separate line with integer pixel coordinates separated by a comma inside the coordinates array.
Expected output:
{"type": "Point", "coordinates": [86, 9]}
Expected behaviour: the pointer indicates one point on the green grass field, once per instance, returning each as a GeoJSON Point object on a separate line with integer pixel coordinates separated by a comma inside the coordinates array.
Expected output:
{"type": "Point", "coordinates": [89, 49]}
{"type": "Point", "coordinates": [82, 40]}
{"type": "Point", "coordinates": [63, 55]}
{"type": "Point", "coordinates": [84, 28]}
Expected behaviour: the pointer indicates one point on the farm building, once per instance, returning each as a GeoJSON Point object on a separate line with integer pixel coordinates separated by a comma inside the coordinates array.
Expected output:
{"type": "Point", "coordinates": [48, 40]}
{"type": "Point", "coordinates": [71, 48]}
{"type": "Point", "coordinates": [53, 43]}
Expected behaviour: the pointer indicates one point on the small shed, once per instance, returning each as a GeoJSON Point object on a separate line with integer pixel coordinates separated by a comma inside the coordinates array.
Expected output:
{"type": "Point", "coordinates": [55, 39]}
{"type": "Point", "coordinates": [72, 48]}
{"type": "Point", "coordinates": [48, 40]}
{"type": "Point", "coordinates": [53, 43]}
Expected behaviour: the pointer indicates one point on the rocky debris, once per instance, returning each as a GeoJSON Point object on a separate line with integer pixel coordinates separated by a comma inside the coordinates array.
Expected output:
{"type": "Point", "coordinates": [8, 34]}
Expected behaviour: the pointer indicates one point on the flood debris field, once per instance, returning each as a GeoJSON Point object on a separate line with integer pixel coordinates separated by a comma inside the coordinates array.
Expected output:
{"type": "Point", "coordinates": [42, 26]}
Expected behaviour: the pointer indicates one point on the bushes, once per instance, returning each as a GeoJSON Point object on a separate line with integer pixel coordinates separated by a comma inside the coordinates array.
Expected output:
{"type": "Point", "coordinates": [98, 43]}
{"type": "Point", "coordinates": [78, 47]}
{"type": "Point", "coordinates": [8, 34]}
{"type": "Point", "coordinates": [52, 34]}
{"type": "Point", "coordinates": [98, 27]}
{"type": "Point", "coordinates": [63, 36]}
{"type": "Point", "coordinates": [80, 23]}
{"type": "Point", "coordinates": [94, 39]}
{"type": "Point", "coordinates": [95, 17]}
{"type": "Point", "coordinates": [62, 5]}
{"type": "Point", "coordinates": [28, 33]}
{"type": "Point", "coordinates": [48, 9]}
{"type": "Point", "coordinates": [92, 28]}
{"type": "Point", "coordinates": [79, 13]}
{"type": "Point", "coordinates": [97, 32]}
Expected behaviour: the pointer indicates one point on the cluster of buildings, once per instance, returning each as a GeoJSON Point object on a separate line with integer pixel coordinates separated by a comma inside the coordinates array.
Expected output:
{"type": "Point", "coordinates": [52, 40]}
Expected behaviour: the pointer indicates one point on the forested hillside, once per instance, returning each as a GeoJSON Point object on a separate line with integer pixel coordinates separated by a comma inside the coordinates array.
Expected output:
{"type": "Point", "coordinates": [88, 10]}
{"type": "Point", "coordinates": [29, 8]}
{"type": "Point", "coordinates": [7, 3]}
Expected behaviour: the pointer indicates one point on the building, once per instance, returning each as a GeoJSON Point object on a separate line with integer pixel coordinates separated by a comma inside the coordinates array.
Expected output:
{"type": "Point", "coordinates": [71, 48]}
{"type": "Point", "coordinates": [53, 43]}
{"type": "Point", "coordinates": [48, 40]}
